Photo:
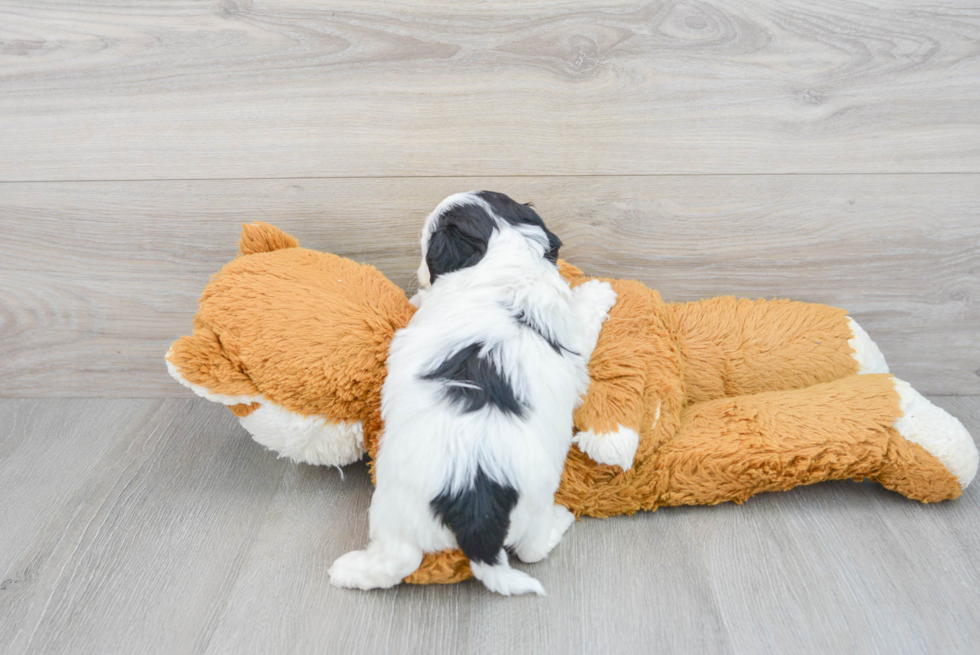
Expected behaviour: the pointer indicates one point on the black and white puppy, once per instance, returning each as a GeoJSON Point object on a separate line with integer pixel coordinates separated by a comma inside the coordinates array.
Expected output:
{"type": "Point", "coordinates": [478, 399]}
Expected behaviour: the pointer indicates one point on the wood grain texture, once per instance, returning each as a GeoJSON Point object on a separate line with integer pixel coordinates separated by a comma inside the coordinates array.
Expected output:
{"type": "Point", "coordinates": [97, 279]}
{"type": "Point", "coordinates": [176, 90]}
{"type": "Point", "coordinates": [158, 527]}
{"type": "Point", "coordinates": [131, 520]}
{"type": "Point", "coordinates": [850, 566]}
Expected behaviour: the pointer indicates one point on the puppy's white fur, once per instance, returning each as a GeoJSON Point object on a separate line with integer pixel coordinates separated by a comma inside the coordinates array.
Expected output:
{"type": "Point", "coordinates": [431, 446]}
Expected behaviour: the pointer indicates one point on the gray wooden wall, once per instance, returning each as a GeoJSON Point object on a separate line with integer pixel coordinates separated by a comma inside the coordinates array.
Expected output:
{"type": "Point", "coordinates": [100, 277]}
{"type": "Point", "coordinates": [759, 149]}
{"type": "Point", "coordinates": [826, 152]}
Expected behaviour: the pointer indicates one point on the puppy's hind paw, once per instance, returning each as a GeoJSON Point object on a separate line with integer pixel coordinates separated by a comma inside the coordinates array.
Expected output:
{"type": "Point", "coordinates": [361, 569]}
{"type": "Point", "coordinates": [563, 520]}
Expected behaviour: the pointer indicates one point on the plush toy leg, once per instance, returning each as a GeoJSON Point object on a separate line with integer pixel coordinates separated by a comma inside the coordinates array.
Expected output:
{"type": "Point", "coordinates": [616, 447]}
{"type": "Point", "coordinates": [737, 347]}
{"type": "Point", "coordinates": [733, 448]}
{"type": "Point", "coordinates": [617, 409]}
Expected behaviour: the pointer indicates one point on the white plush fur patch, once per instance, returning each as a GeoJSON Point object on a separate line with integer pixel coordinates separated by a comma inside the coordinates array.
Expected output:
{"type": "Point", "coordinates": [940, 433]}
{"type": "Point", "coordinates": [303, 439]}
{"type": "Point", "coordinates": [614, 448]}
{"type": "Point", "coordinates": [866, 352]}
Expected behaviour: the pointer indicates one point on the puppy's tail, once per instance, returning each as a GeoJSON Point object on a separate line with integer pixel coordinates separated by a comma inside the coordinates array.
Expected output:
{"type": "Point", "coordinates": [479, 517]}
{"type": "Point", "coordinates": [504, 580]}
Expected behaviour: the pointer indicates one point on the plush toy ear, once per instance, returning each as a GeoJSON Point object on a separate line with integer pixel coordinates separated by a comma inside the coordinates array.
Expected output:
{"type": "Point", "coordinates": [199, 361]}
{"type": "Point", "coordinates": [262, 237]}
{"type": "Point", "coordinates": [459, 242]}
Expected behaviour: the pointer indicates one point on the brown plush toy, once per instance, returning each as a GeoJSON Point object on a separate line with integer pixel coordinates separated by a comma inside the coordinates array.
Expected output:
{"type": "Point", "coordinates": [694, 403]}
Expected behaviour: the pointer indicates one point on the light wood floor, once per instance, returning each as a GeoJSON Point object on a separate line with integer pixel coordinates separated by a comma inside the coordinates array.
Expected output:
{"type": "Point", "coordinates": [822, 151]}
{"type": "Point", "coordinates": [158, 526]}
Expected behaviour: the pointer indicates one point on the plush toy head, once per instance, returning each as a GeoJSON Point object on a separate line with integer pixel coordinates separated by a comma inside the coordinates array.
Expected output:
{"type": "Point", "coordinates": [310, 386]}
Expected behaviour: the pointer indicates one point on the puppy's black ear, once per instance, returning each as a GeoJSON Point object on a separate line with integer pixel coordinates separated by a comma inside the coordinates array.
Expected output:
{"type": "Point", "coordinates": [516, 213]}
{"type": "Point", "coordinates": [554, 244]}
{"type": "Point", "coordinates": [459, 240]}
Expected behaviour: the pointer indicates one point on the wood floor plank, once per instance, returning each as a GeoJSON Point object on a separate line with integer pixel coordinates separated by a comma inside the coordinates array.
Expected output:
{"type": "Point", "coordinates": [50, 451]}
{"type": "Point", "coordinates": [847, 565]}
{"type": "Point", "coordinates": [97, 279]}
{"type": "Point", "coordinates": [652, 596]}
{"type": "Point", "coordinates": [157, 526]}
{"type": "Point", "coordinates": [314, 518]}
{"type": "Point", "coordinates": [151, 90]}
{"type": "Point", "coordinates": [136, 552]}
{"type": "Point", "coordinates": [662, 595]}
{"type": "Point", "coordinates": [852, 567]}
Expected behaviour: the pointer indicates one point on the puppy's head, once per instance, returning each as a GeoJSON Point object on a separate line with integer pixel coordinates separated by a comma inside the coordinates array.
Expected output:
{"type": "Point", "coordinates": [457, 234]}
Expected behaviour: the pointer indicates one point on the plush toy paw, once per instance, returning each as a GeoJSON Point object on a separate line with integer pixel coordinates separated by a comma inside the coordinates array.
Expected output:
{"type": "Point", "coordinates": [305, 439]}
{"type": "Point", "coordinates": [866, 352]}
{"type": "Point", "coordinates": [613, 448]}
{"type": "Point", "coordinates": [939, 432]}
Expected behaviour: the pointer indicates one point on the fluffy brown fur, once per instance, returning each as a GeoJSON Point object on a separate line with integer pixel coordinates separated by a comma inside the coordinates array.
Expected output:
{"type": "Point", "coordinates": [730, 397]}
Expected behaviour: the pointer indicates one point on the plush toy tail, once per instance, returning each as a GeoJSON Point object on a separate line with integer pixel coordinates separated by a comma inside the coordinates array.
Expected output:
{"type": "Point", "coordinates": [262, 237]}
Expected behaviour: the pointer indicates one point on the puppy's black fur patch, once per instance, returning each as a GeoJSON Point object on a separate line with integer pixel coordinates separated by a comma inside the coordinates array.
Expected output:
{"type": "Point", "coordinates": [459, 240]}
{"type": "Point", "coordinates": [478, 516]}
{"type": "Point", "coordinates": [517, 214]}
{"type": "Point", "coordinates": [474, 382]}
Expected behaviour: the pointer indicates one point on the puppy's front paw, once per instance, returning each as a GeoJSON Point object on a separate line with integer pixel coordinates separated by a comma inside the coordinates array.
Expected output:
{"type": "Point", "coordinates": [613, 448]}
{"type": "Point", "coordinates": [598, 296]}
